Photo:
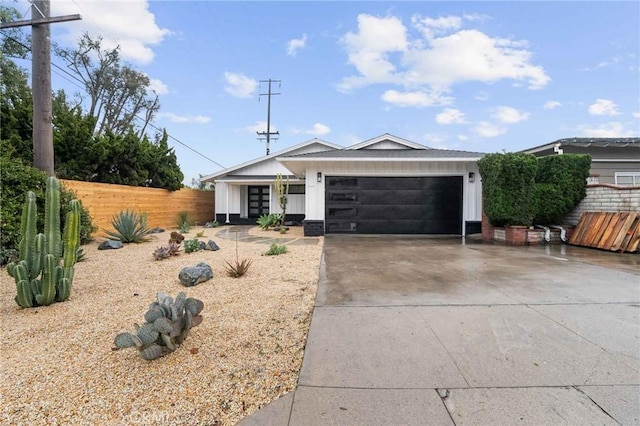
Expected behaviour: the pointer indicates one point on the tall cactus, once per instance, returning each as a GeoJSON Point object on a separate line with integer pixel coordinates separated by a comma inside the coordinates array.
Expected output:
{"type": "Point", "coordinates": [40, 279]}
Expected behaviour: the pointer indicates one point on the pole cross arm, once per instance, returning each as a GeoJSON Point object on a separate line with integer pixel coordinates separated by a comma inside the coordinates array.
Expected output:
{"type": "Point", "coordinates": [41, 21]}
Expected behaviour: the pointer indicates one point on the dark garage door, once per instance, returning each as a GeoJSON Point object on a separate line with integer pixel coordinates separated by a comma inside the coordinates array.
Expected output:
{"type": "Point", "coordinates": [393, 205]}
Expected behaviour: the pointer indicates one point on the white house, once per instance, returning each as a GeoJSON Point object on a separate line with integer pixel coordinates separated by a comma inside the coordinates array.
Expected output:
{"type": "Point", "coordinates": [385, 185]}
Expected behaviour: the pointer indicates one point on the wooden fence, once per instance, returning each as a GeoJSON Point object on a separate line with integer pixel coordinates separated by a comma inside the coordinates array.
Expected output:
{"type": "Point", "coordinates": [105, 200]}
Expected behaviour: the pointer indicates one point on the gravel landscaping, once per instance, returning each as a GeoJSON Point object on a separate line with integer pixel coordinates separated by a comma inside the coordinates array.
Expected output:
{"type": "Point", "coordinates": [58, 365]}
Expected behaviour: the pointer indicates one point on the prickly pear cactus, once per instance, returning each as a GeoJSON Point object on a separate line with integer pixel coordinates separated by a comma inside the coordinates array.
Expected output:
{"type": "Point", "coordinates": [167, 324]}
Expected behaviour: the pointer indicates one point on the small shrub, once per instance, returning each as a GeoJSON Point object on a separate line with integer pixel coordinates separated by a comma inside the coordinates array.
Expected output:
{"type": "Point", "coordinates": [129, 227]}
{"type": "Point", "coordinates": [161, 253]}
{"type": "Point", "coordinates": [213, 224]}
{"type": "Point", "coordinates": [238, 268]}
{"type": "Point", "coordinates": [191, 245]}
{"type": "Point", "coordinates": [182, 221]}
{"type": "Point", "coordinates": [276, 249]}
{"type": "Point", "coordinates": [200, 234]}
{"type": "Point", "coordinates": [176, 237]}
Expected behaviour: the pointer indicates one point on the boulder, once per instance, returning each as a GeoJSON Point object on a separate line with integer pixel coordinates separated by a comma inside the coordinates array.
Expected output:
{"type": "Point", "coordinates": [211, 245]}
{"type": "Point", "coordinates": [110, 244]}
{"type": "Point", "coordinates": [202, 245]}
{"type": "Point", "coordinates": [194, 275]}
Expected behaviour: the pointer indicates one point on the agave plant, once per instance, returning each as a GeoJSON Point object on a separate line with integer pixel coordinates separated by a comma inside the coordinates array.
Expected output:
{"type": "Point", "coordinates": [237, 268]}
{"type": "Point", "coordinates": [129, 227]}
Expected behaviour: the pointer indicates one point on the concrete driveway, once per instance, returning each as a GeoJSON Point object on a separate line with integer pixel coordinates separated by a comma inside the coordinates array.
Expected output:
{"type": "Point", "coordinates": [437, 331]}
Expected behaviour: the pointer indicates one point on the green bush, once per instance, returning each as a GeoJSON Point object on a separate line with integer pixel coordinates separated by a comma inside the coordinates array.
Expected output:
{"type": "Point", "coordinates": [276, 249]}
{"type": "Point", "coordinates": [16, 178]}
{"type": "Point", "coordinates": [560, 185]}
{"type": "Point", "coordinates": [508, 189]}
{"type": "Point", "coordinates": [191, 245]}
{"type": "Point", "coordinates": [129, 227]}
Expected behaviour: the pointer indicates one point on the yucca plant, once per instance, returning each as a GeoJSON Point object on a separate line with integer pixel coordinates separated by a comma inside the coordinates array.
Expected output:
{"type": "Point", "coordinates": [237, 268]}
{"type": "Point", "coordinates": [182, 220]}
{"type": "Point", "coordinates": [129, 227]}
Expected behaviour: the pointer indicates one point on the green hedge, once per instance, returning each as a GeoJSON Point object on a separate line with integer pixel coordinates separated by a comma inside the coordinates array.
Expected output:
{"type": "Point", "coordinates": [520, 189]}
{"type": "Point", "coordinates": [508, 189]}
{"type": "Point", "coordinates": [16, 179]}
{"type": "Point", "coordinates": [560, 186]}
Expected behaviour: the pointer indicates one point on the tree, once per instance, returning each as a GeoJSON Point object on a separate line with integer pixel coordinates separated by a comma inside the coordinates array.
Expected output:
{"type": "Point", "coordinates": [164, 171]}
{"type": "Point", "coordinates": [118, 94]}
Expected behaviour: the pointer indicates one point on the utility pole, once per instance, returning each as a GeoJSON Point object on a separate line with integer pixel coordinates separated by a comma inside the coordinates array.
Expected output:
{"type": "Point", "coordinates": [268, 133]}
{"type": "Point", "coordinates": [41, 80]}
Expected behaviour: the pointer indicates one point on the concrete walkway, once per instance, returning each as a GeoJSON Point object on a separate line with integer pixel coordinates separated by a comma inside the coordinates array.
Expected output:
{"type": "Point", "coordinates": [418, 331]}
{"type": "Point", "coordinates": [242, 233]}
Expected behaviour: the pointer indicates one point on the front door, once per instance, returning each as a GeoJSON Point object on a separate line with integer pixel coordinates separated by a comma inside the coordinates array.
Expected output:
{"type": "Point", "coordinates": [258, 201]}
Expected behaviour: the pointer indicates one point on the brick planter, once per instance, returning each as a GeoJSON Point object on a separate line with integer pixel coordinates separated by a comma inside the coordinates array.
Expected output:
{"type": "Point", "coordinates": [516, 235]}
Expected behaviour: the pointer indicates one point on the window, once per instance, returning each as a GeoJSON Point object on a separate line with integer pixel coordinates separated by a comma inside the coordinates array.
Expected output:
{"type": "Point", "coordinates": [627, 178]}
{"type": "Point", "coordinates": [296, 189]}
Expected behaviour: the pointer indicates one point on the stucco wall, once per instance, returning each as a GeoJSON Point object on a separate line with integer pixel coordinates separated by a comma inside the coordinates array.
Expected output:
{"type": "Point", "coordinates": [606, 198]}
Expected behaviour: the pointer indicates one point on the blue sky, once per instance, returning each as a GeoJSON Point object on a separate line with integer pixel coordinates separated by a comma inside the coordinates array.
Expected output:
{"type": "Point", "coordinates": [476, 76]}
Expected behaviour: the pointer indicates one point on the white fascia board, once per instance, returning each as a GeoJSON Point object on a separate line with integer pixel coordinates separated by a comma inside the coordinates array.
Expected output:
{"type": "Point", "coordinates": [541, 148]}
{"type": "Point", "coordinates": [386, 136]}
{"type": "Point", "coordinates": [285, 160]}
{"type": "Point", "coordinates": [614, 160]}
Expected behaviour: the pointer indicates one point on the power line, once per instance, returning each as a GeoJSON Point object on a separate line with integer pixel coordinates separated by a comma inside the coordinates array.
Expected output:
{"type": "Point", "coordinates": [74, 77]}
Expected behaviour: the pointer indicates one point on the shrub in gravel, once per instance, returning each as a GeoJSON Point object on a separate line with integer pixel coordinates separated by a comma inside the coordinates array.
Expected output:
{"type": "Point", "coordinates": [167, 325]}
{"type": "Point", "coordinates": [191, 245]}
{"type": "Point", "coordinates": [276, 249]}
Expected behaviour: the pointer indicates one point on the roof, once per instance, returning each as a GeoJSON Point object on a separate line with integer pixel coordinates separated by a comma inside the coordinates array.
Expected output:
{"type": "Point", "coordinates": [385, 137]}
{"type": "Point", "coordinates": [348, 154]}
{"type": "Point", "coordinates": [268, 157]}
{"type": "Point", "coordinates": [587, 143]}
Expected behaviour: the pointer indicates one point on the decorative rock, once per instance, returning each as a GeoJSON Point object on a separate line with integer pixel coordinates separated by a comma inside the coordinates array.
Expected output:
{"type": "Point", "coordinates": [208, 225]}
{"type": "Point", "coordinates": [211, 245]}
{"type": "Point", "coordinates": [110, 244]}
{"type": "Point", "coordinates": [194, 275]}
{"type": "Point", "coordinates": [156, 230]}
{"type": "Point", "coordinates": [203, 246]}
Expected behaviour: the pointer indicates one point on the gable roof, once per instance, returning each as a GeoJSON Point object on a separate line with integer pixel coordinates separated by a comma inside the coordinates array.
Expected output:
{"type": "Point", "coordinates": [384, 154]}
{"type": "Point", "coordinates": [269, 157]}
{"type": "Point", "coordinates": [586, 143]}
{"type": "Point", "coordinates": [384, 137]}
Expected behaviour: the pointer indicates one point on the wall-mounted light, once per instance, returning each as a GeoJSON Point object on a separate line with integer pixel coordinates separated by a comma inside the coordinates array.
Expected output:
{"type": "Point", "coordinates": [319, 176]}
{"type": "Point", "coordinates": [472, 177]}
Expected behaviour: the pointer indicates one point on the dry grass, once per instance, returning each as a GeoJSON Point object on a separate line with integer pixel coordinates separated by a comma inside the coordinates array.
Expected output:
{"type": "Point", "coordinates": [58, 366]}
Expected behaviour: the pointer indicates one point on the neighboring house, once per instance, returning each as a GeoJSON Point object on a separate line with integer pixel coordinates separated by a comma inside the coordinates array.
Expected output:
{"type": "Point", "coordinates": [385, 185]}
{"type": "Point", "coordinates": [613, 160]}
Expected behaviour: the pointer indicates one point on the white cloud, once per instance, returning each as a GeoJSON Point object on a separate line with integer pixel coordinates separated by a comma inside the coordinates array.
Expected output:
{"type": "Point", "coordinates": [239, 85]}
{"type": "Point", "coordinates": [488, 130]}
{"type": "Point", "coordinates": [296, 44]}
{"type": "Point", "coordinates": [510, 115]}
{"type": "Point", "coordinates": [603, 107]}
{"type": "Point", "coordinates": [369, 47]}
{"type": "Point", "coordinates": [175, 118]}
{"type": "Point", "coordinates": [435, 140]}
{"type": "Point", "coordinates": [415, 99]}
{"type": "Point", "coordinates": [260, 126]}
{"type": "Point", "coordinates": [463, 137]}
{"type": "Point", "coordinates": [636, 114]}
{"type": "Point", "coordinates": [318, 129]}
{"type": "Point", "coordinates": [607, 130]}
{"type": "Point", "coordinates": [450, 116]}
{"type": "Point", "coordinates": [551, 105]}
{"type": "Point", "coordinates": [131, 26]}
{"type": "Point", "coordinates": [382, 51]}
{"type": "Point", "coordinates": [158, 86]}
{"type": "Point", "coordinates": [434, 26]}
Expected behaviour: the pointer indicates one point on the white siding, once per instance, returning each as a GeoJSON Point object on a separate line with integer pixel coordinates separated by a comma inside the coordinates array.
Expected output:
{"type": "Point", "coordinates": [295, 203]}
{"type": "Point", "coordinates": [271, 167]}
{"type": "Point", "coordinates": [224, 192]}
{"type": "Point", "coordinates": [472, 192]}
{"type": "Point", "coordinates": [386, 144]}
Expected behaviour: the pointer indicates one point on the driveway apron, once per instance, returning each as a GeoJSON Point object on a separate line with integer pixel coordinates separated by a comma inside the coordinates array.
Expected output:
{"type": "Point", "coordinates": [442, 331]}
